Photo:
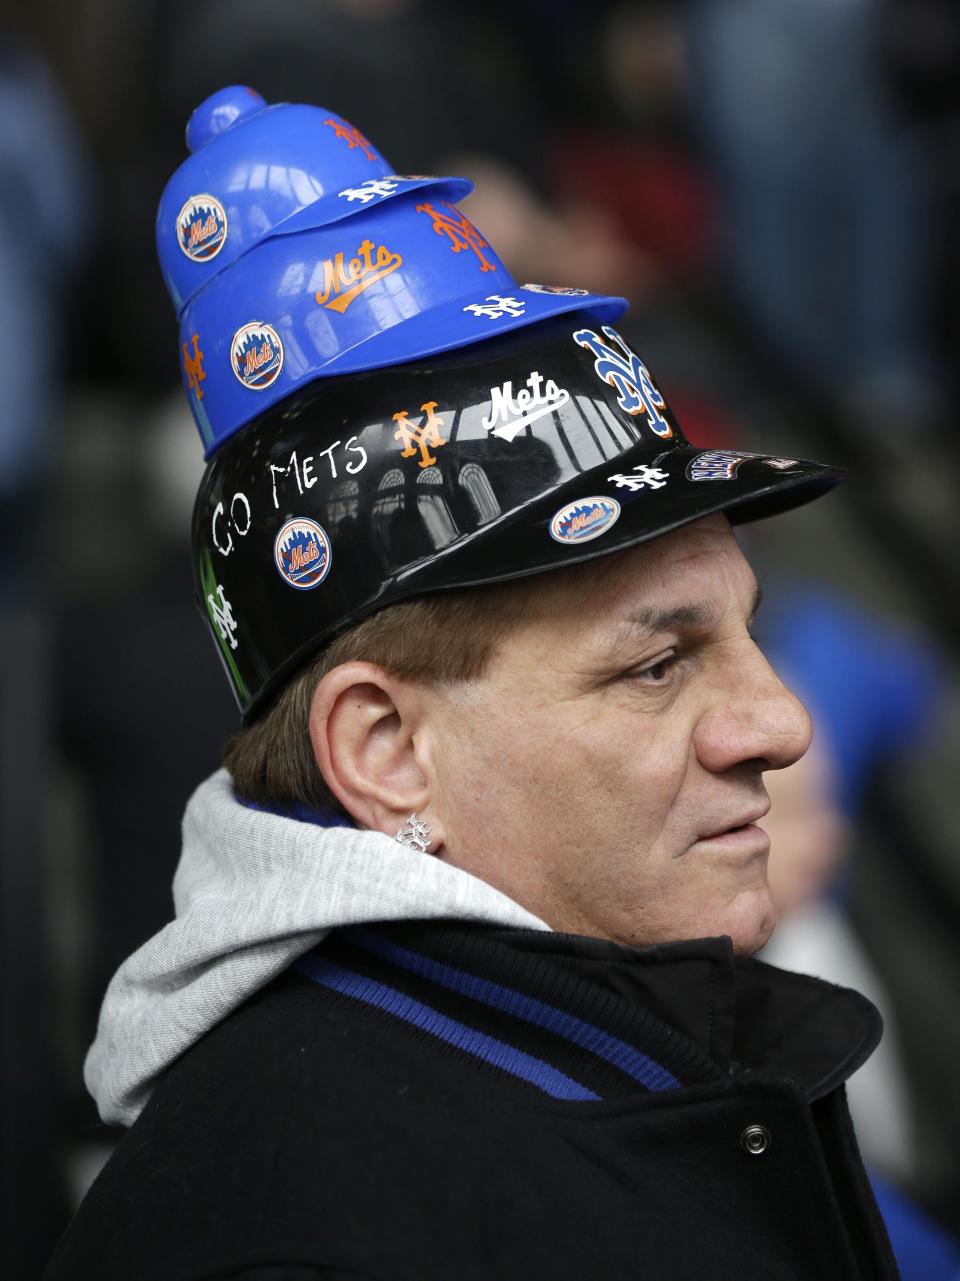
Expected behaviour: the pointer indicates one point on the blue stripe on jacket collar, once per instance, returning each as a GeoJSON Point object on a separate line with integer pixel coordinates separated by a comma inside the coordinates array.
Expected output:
{"type": "Point", "coordinates": [643, 1069]}
{"type": "Point", "coordinates": [495, 1050]}
{"type": "Point", "coordinates": [491, 1050]}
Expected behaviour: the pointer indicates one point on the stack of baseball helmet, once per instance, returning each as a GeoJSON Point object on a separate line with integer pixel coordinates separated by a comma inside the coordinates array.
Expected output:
{"type": "Point", "coordinates": [385, 412]}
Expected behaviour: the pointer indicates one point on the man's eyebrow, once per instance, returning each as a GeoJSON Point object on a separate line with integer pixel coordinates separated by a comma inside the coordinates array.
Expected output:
{"type": "Point", "coordinates": [694, 614]}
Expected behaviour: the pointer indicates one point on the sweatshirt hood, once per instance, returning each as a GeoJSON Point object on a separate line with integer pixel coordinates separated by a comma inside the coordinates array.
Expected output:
{"type": "Point", "coordinates": [252, 892]}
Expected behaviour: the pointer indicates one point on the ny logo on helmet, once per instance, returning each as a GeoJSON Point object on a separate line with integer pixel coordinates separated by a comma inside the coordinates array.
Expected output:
{"type": "Point", "coordinates": [641, 477]}
{"type": "Point", "coordinates": [222, 615]}
{"type": "Point", "coordinates": [370, 189]}
{"type": "Point", "coordinates": [193, 367]}
{"type": "Point", "coordinates": [463, 234]}
{"type": "Point", "coordinates": [352, 137]}
{"type": "Point", "coordinates": [495, 305]}
{"type": "Point", "coordinates": [424, 437]}
{"type": "Point", "coordinates": [628, 376]}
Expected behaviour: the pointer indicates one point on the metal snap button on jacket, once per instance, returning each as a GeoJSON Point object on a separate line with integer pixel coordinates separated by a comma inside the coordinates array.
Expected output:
{"type": "Point", "coordinates": [755, 1140]}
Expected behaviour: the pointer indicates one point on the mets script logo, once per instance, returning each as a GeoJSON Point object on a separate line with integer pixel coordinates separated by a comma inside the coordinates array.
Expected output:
{"type": "Point", "coordinates": [352, 137]}
{"type": "Point", "coordinates": [193, 366]}
{"type": "Point", "coordinates": [628, 376]}
{"type": "Point", "coordinates": [257, 355]}
{"type": "Point", "coordinates": [583, 520]}
{"type": "Point", "coordinates": [424, 437]}
{"type": "Point", "coordinates": [302, 553]}
{"type": "Point", "coordinates": [463, 234]}
{"type": "Point", "coordinates": [342, 282]}
{"type": "Point", "coordinates": [202, 228]}
{"type": "Point", "coordinates": [509, 414]}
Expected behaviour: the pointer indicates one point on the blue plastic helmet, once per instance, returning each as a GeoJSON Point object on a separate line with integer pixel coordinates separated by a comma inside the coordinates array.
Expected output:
{"type": "Point", "coordinates": [292, 252]}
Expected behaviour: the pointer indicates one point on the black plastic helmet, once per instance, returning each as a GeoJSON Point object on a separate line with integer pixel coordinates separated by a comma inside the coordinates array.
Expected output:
{"type": "Point", "coordinates": [545, 447]}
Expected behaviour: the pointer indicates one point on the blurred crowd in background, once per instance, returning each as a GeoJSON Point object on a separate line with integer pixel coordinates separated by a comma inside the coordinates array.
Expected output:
{"type": "Point", "coordinates": [773, 183]}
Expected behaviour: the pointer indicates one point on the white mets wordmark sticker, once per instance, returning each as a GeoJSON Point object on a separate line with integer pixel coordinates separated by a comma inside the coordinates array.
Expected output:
{"type": "Point", "coordinates": [510, 413]}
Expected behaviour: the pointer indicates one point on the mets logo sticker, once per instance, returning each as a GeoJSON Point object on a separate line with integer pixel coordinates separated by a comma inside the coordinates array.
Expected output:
{"type": "Point", "coordinates": [583, 520]}
{"type": "Point", "coordinates": [302, 553]}
{"type": "Point", "coordinates": [202, 227]}
{"type": "Point", "coordinates": [256, 355]}
{"type": "Point", "coordinates": [565, 291]}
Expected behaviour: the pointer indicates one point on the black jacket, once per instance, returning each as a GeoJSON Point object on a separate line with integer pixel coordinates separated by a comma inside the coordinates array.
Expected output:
{"type": "Point", "coordinates": [434, 1100]}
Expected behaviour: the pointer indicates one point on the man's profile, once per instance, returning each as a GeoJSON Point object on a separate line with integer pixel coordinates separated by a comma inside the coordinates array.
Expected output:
{"type": "Point", "coordinates": [460, 980]}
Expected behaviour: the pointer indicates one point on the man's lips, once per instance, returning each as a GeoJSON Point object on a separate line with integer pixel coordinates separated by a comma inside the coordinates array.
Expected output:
{"type": "Point", "coordinates": [746, 822]}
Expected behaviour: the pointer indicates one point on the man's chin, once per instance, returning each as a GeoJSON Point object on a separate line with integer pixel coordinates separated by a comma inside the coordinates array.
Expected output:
{"type": "Point", "coordinates": [754, 926]}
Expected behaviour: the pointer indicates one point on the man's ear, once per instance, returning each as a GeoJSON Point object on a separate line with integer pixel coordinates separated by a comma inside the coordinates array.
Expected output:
{"type": "Point", "coordinates": [372, 746]}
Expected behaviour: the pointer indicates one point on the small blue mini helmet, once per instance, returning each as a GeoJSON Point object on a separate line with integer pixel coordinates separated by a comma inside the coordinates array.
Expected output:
{"type": "Point", "coordinates": [385, 412]}
{"type": "Point", "coordinates": [292, 252]}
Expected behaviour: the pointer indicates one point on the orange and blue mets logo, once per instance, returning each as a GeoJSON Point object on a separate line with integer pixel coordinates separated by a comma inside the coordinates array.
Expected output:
{"type": "Point", "coordinates": [585, 519]}
{"type": "Point", "coordinates": [626, 373]}
{"type": "Point", "coordinates": [202, 227]}
{"type": "Point", "coordinates": [302, 553]}
{"type": "Point", "coordinates": [256, 355]}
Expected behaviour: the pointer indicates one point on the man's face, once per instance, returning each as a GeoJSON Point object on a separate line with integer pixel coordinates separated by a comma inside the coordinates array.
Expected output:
{"type": "Point", "coordinates": [606, 771]}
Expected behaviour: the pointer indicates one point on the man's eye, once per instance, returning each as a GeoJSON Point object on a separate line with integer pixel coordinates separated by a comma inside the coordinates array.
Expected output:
{"type": "Point", "coordinates": [656, 672]}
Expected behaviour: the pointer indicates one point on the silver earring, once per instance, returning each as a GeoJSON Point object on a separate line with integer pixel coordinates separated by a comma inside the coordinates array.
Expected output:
{"type": "Point", "coordinates": [415, 836]}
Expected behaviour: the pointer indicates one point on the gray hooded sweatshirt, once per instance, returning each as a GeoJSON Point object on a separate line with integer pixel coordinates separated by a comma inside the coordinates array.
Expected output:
{"type": "Point", "coordinates": [252, 892]}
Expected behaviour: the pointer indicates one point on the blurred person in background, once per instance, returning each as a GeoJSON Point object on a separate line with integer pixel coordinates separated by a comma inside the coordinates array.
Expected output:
{"type": "Point", "coordinates": [808, 837]}
{"type": "Point", "coordinates": [45, 225]}
{"type": "Point", "coordinates": [45, 228]}
{"type": "Point", "coordinates": [830, 231]}
{"type": "Point", "coordinates": [829, 235]}
{"type": "Point", "coordinates": [875, 694]}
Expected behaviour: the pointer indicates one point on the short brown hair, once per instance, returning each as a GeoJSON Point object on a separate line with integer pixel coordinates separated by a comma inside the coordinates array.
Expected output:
{"type": "Point", "coordinates": [445, 638]}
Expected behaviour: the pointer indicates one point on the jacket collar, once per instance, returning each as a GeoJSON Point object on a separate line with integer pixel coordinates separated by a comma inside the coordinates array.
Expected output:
{"type": "Point", "coordinates": [691, 1007]}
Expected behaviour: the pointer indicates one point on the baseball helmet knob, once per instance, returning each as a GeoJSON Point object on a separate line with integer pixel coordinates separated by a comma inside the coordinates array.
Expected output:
{"type": "Point", "coordinates": [220, 112]}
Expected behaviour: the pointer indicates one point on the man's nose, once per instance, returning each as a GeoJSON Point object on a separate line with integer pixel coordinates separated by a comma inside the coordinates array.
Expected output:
{"type": "Point", "coordinates": [754, 718]}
